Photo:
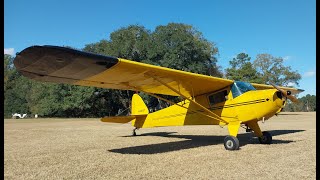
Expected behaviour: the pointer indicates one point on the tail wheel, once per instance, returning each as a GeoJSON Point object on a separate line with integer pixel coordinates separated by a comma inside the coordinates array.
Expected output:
{"type": "Point", "coordinates": [231, 143]}
{"type": "Point", "coordinates": [134, 132]}
{"type": "Point", "coordinates": [266, 138]}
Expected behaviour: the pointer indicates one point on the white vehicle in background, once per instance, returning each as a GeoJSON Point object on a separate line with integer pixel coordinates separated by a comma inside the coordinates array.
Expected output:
{"type": "Point", "coordinates": [19, 116]}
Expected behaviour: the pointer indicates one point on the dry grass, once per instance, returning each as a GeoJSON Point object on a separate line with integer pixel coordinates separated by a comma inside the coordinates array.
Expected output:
{"type": "Point", "coordinates": [90, 149]}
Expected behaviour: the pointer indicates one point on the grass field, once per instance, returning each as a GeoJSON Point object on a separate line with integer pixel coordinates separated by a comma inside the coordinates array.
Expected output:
{"type": "Point", "coordinates": [90, 149]}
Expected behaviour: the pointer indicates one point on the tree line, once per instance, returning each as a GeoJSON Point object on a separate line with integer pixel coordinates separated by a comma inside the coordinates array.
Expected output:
{"type": "Point", "coordinates": [175, 45]}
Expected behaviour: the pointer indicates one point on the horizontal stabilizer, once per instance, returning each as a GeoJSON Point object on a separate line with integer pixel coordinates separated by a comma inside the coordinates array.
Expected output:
{"type": "Point", "coordinates": [118, 119]}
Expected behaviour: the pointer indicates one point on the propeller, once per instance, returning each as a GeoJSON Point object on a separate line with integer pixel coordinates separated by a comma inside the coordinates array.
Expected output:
{"type": "Point", "coordinates": [286, 94]}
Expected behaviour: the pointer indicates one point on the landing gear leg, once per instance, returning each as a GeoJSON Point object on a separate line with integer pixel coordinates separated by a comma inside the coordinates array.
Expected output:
{"type": "Point", "coordinates": [134, 132]}
{"type": "Point", "coordinates": [231, 142]}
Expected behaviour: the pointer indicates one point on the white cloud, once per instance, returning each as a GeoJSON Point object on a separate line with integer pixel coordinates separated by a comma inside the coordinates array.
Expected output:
{"type": "Point", "coordinates": [286, 58]}
{"type": "Point", "coordinates": [309, 73]}
{"type": "Point", "coordinates": [9, 51]}
{"type": "Point", "coordinates": [291, 84]}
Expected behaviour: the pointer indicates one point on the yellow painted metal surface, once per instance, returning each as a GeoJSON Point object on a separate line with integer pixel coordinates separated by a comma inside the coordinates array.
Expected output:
{"type": "Point", "coordinates": [255, 127]}
{"type": "Point", "coordinates": [178, 116]}
{"type": "Point", "coordinates": [118, 119]}
{"type": "Point", "coordinates": [254, 105]}
{"type": "Point", "coordinates": [138, 107]}
{"type": "Point", "coordinates": [249, 107]}
{"type": "Point", "coordinates": [130, 75]}
{"type": "Point", "coordinates": [245, 109]}
{"type": "Point", "coordinates": [233, 128]}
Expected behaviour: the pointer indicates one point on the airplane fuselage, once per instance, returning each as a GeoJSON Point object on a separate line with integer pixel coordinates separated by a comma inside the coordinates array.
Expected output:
{"type": "Point", "coordinates": [253, 105]}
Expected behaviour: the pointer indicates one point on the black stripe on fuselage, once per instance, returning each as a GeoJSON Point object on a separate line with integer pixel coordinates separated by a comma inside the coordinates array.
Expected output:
{"type": "Point", "coordinates": [46, 63]}
{"type": "Point", "coordinates": [231, 105]}
{"type": "Point", "coordinates": [239, 104]}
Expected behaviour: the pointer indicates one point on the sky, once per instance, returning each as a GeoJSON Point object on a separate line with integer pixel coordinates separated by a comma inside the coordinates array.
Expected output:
{"type": "Point", "coordinates": [285, 28]}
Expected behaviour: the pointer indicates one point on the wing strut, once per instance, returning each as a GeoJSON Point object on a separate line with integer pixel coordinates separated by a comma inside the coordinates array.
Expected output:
{"type": "Point", "coordinates": [191, 100]}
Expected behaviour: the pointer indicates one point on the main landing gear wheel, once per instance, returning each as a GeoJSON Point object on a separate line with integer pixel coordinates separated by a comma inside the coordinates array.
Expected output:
{"type": "Point", "coordinates": [231, 143]}
{"type": "Point", "coordinates": [266, 138]}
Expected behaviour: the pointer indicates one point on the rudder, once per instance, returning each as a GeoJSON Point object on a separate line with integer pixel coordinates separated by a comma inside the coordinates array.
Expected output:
{"type": "Point", "coordinates": [138, 107]}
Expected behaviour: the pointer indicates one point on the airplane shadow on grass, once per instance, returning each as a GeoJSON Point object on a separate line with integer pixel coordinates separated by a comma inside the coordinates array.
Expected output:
{"type": "Point", "coordinates": [193, 141]}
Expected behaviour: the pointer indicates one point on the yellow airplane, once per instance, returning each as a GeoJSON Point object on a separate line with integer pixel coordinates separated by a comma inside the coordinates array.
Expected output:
{"type": "Point", "coordinates": [206, 100]}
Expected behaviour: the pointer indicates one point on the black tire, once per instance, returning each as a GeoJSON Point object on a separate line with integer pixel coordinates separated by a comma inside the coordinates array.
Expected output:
{"type": "Point", "coordinates": [266, 138]}
{"type": "Point", "coordinates": [231, 143]}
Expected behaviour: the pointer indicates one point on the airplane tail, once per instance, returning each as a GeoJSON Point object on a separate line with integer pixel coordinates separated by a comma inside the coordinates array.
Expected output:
{"type": "Point", "coordinates": [138, 107]}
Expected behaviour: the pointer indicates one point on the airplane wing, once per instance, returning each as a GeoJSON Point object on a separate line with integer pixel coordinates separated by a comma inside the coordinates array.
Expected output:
{"type": "Point", "coordinates": [264, 86]}
{"type": "Point", "coordinates": [65, 65]}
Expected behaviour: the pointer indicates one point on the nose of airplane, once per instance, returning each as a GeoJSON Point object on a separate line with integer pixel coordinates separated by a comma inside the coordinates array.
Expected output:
{"type": "Point", "coordinates": [278, 99]}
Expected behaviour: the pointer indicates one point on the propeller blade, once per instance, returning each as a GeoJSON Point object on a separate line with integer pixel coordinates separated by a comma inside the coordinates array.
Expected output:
{"type": "Point", "coordinates": [293, 99]}
{"type": "Point", "coordinates": [287, 94]}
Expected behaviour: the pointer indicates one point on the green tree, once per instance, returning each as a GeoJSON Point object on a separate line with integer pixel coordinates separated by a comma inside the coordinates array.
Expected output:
{"type": "Point", "coordinates": [8, 70]}
{"type": "Point", "coordinates": [309, 102]}
{"type": "Point", "coordinates": [60, 100]}
{"type": "Point", "coordinates": [242, 69]}
{"type": "Point", "coordinates": [15, 95]}
{"type": "Point", "coordinates": [272, 70]}
{"type": "Point", "coordinates": [181, 46]}
{"type": "Point", "coordinates": [15, 89]}
{"type": "Point", "coordinates": [130, 43]}
{"type": "Point", "coordinates": [305, 104]}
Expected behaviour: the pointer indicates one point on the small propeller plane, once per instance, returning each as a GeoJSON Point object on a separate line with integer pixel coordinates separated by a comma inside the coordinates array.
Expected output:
{"type": "Point", "coordinates": [206, 100]}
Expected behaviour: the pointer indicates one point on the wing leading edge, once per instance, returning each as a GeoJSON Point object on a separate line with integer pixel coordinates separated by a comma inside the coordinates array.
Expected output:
{"type": "Point", "coordinates": [65, 65]}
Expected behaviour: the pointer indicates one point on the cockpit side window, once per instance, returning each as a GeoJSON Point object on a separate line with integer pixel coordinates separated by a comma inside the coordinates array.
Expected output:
{"type": "Point", "coordinates": [218, 97]}
{"type": "Point", "coordinates": [235, 91]}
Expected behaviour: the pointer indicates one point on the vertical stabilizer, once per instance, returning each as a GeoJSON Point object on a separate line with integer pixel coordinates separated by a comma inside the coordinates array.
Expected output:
{"type": "Point", "coordinates": [138, 107]}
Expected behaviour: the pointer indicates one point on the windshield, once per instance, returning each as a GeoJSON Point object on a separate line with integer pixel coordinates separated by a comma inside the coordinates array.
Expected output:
{"type": "Point", "coordinates": [239, 87]}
